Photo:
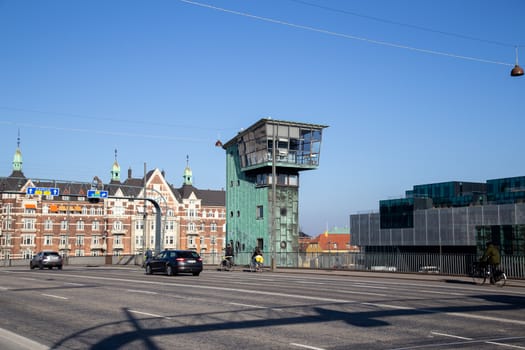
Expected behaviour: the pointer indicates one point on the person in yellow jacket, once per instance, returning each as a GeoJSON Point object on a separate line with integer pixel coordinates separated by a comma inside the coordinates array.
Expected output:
{"type": "Point", "coordinates": [492, 258]}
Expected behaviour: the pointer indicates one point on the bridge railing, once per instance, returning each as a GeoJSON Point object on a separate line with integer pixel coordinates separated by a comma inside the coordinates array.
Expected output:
{"type": "Point", "coordinates": [446, 264]}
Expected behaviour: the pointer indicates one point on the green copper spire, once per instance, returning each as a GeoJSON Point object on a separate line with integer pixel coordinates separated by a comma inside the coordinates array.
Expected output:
{"type": "Point", "coordinates": [187, 172]}
{"type": "Point", "coordinates": [115, 170]}
{"type": "Point", "coordinates": [17, 159]}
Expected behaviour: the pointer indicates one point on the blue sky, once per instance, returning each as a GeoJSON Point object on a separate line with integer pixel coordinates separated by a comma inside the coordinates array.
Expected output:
{"type": "Point", "coordinates": [413, 92]}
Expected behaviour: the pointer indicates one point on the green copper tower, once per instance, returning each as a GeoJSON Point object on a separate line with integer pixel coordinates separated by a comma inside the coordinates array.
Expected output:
{"type": "Point", "coordinates": [263, 163]}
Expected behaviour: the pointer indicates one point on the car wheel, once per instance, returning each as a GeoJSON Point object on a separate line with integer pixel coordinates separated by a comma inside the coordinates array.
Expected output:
{"type": "Point", "coordinates": [40, 266]}
{"type": "Point", "coordinates": [149, 271]}
{"type": "Point", "coordinates": [169, 270]}
{"type": "Point", "coordinates": [31, 266]}
{"type": "Point", "coordinates": [196, 273]}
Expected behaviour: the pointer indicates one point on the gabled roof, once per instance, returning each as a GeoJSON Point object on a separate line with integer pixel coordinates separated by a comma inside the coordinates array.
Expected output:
{"type": "Point", "coordinates": [208, 197]}
{"type": "Point", "coordinates": [14, 182]}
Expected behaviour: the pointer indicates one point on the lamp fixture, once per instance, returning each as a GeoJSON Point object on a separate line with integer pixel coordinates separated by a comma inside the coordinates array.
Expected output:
{"type": "Point", "coordinates": [517, 70]}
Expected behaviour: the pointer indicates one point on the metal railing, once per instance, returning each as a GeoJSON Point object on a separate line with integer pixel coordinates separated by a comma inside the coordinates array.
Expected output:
{"type": "Point", "coordinates": [446, 264]}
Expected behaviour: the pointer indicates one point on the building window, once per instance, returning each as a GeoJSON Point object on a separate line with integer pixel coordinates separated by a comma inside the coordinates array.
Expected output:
{"type": "Point", "coordinates": [48, 240]}
{"type": "Point", "coordinates": [63, 239]}
{"type": "Point", "coordinates": [95, 226]}
{"type": "Point", "coordinates": [80, 225]}
{"type": "Point", "coordinates": [260, 212]}
{"type": "Point", "coordinates": [80, 240]}
{"type": "Point", "coordinates": [29, 224]}
{"type": "Point", "coordinates": [117, 225]}
{"type": "Point", "coordinates": [213, 227]}
{"type": "Point", "coordinates": [28, 239]}
{"type": "Point", "coordinates": [6, 225]}
{"type": "Point", "coordinates": [139, 225]}
{"type": "Point", "coordinates": [64, 225]}
{"type": "Point", "coordinates": [48, 225]}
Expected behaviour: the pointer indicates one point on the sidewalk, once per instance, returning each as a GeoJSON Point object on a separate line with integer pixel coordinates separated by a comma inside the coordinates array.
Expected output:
{"type": "Point", "coordinates": [396, 275]}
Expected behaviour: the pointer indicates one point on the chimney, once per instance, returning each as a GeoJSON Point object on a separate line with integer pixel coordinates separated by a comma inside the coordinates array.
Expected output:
{"type": "Point", "coordinates": [129, 173]}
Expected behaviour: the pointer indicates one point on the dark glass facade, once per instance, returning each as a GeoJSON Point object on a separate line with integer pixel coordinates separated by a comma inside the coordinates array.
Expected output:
{"type": "Point", "coordinates": [457, 215]}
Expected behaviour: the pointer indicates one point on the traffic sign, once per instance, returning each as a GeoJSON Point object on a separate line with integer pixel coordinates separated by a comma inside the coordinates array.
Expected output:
{"type": "Point", "coordinates": [97, 194]}
{"type": "Point", "coordinates": [46, 191]}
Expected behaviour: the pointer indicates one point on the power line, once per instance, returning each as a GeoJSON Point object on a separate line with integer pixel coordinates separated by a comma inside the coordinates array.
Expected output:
{"type": "Point", "coordinates": [106, 119]}
{"type": "Point", "coordinates": [347, 36]}
{"type": "Point", "coordinates": [412, 26]}
{"type": "Point", "coordinates": [105, 132]}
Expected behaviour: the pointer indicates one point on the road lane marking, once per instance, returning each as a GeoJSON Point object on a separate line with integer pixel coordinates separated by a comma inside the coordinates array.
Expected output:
{"type": "Point", "coordinates": [492, 342]}
{"type": "Point", "coordinates": [148, 314]}
{"type": "Point", "coordinates": [367, 286]}
{"type": "Point", "coordinates": [248, 305]}
{"type": "Point", "coordinates": [306, 346]}
{"type": "Point", "coordinates": [55, 296]}
{"type": "Point", "coordinates": [74, 284]}
{"type": "Point", "coordinates": [292, 296]}
{"type": "Point", "coordinates": [140, 291]}
{"type": "Point", "coordinates": [3, 288]}
{"type": "Point", "coordinates": [450, 336]}
{"type": "Point", "coordinates": [224, 289]}
{"type": "Point", "coordinates": [9, 338]}
{"type": "Point", "coordinates": [360, 293]}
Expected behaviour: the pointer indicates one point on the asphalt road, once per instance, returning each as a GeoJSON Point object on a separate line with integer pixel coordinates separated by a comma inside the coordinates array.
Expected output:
{"type": "Point", "coordinates": [122, 308]}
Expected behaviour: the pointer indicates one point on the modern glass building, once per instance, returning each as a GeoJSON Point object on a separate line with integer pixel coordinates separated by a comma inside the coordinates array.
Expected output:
{"type": "Point", "coordinates": [263, 163]}
{"type": "Point", "coordinates": [447, 217]}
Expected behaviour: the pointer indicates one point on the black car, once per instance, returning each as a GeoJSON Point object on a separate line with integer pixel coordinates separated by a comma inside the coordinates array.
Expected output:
{"type": "Point", "coordinates": [47, 259]}
{"type": "Point", "coordinates": [173, 262]}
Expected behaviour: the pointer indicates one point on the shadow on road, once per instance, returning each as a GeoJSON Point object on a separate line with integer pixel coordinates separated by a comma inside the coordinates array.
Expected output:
{"type": "Point", "coordinates": [144, 330]}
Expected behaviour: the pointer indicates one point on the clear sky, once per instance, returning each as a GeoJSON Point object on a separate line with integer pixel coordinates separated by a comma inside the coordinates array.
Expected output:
{"type": "Point", "coordinates": [414, 92]}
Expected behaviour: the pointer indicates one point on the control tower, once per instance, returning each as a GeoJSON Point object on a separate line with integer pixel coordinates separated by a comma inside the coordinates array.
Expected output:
{"type": "Point", "coordinates": [262, 187]}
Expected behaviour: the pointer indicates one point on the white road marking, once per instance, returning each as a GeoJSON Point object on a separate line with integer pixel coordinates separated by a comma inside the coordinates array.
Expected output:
{"type": "Point", "coordinates": [140, 291]}
{"type": "Point", "coordinates": [3, 288]}
{"type": "Point", "coordinates": [148, 314]}
{"type": "Point", "coordinates": [361, 293]}
{"type": "Point", "coordinates": [54, 296]}
{"type": "Point", "coordinates": [248, 305]}
{"type": "Point", "coordinates": [293, 296]}
{"type": "Point", "coordinates": [367, 286]}
{"type": "Point", "coordinates": [492, 342]}
{"type": "Point", "coordinates": [74, 284]}
{"type": "Point", "coordinates": [28, 278]}
{"type": "Point", "coordinates": [306, 346]}
{"type": "Point", "coordinates": [450, 336]}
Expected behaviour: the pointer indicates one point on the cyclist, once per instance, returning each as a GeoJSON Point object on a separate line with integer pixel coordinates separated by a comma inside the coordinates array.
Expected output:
{"type": "Point", "coordinates": [492, 258]}
{"type": "Point", "coordinates": [228, 256]}
{"type": "Point", "coordinates": [257, 258]}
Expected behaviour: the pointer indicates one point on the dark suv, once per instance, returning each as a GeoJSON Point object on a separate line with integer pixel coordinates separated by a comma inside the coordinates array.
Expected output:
{"type": "Point", "coordinates": [47, 259]}
{"type": "Point", "coordinates": [173, 262]}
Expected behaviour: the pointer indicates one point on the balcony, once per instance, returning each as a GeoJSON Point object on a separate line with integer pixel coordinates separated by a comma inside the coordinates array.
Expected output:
{"type": "Point", "coordinates": [118, 246]}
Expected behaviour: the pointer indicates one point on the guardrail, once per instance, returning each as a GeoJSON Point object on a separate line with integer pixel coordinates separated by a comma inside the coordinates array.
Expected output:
{"type": "Point", "coordinates": [446, 264]}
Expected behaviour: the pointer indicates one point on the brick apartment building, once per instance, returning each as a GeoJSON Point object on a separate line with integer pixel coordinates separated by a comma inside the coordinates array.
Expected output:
{"type": "Point", "coordinates": [123, 223]}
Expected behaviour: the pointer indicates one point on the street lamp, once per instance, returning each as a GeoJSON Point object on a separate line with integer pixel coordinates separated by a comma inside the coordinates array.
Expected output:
{"type": "Point", "coordinates": [517, 70]}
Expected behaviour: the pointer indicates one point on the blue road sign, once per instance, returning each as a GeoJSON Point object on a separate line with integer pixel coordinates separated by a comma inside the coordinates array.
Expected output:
{"type": "Point", "coordinates": [53, 191]}
{"type": "Point", "coordinates": [97, 194]}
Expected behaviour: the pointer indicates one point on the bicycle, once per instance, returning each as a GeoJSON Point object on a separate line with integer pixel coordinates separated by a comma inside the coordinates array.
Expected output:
{"type": "Point", "coordinates": [256, 264]}
{"type": "Point", "coordinates": [226, 263]}
{"type": "Point", "coordinates": [481, 273]}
